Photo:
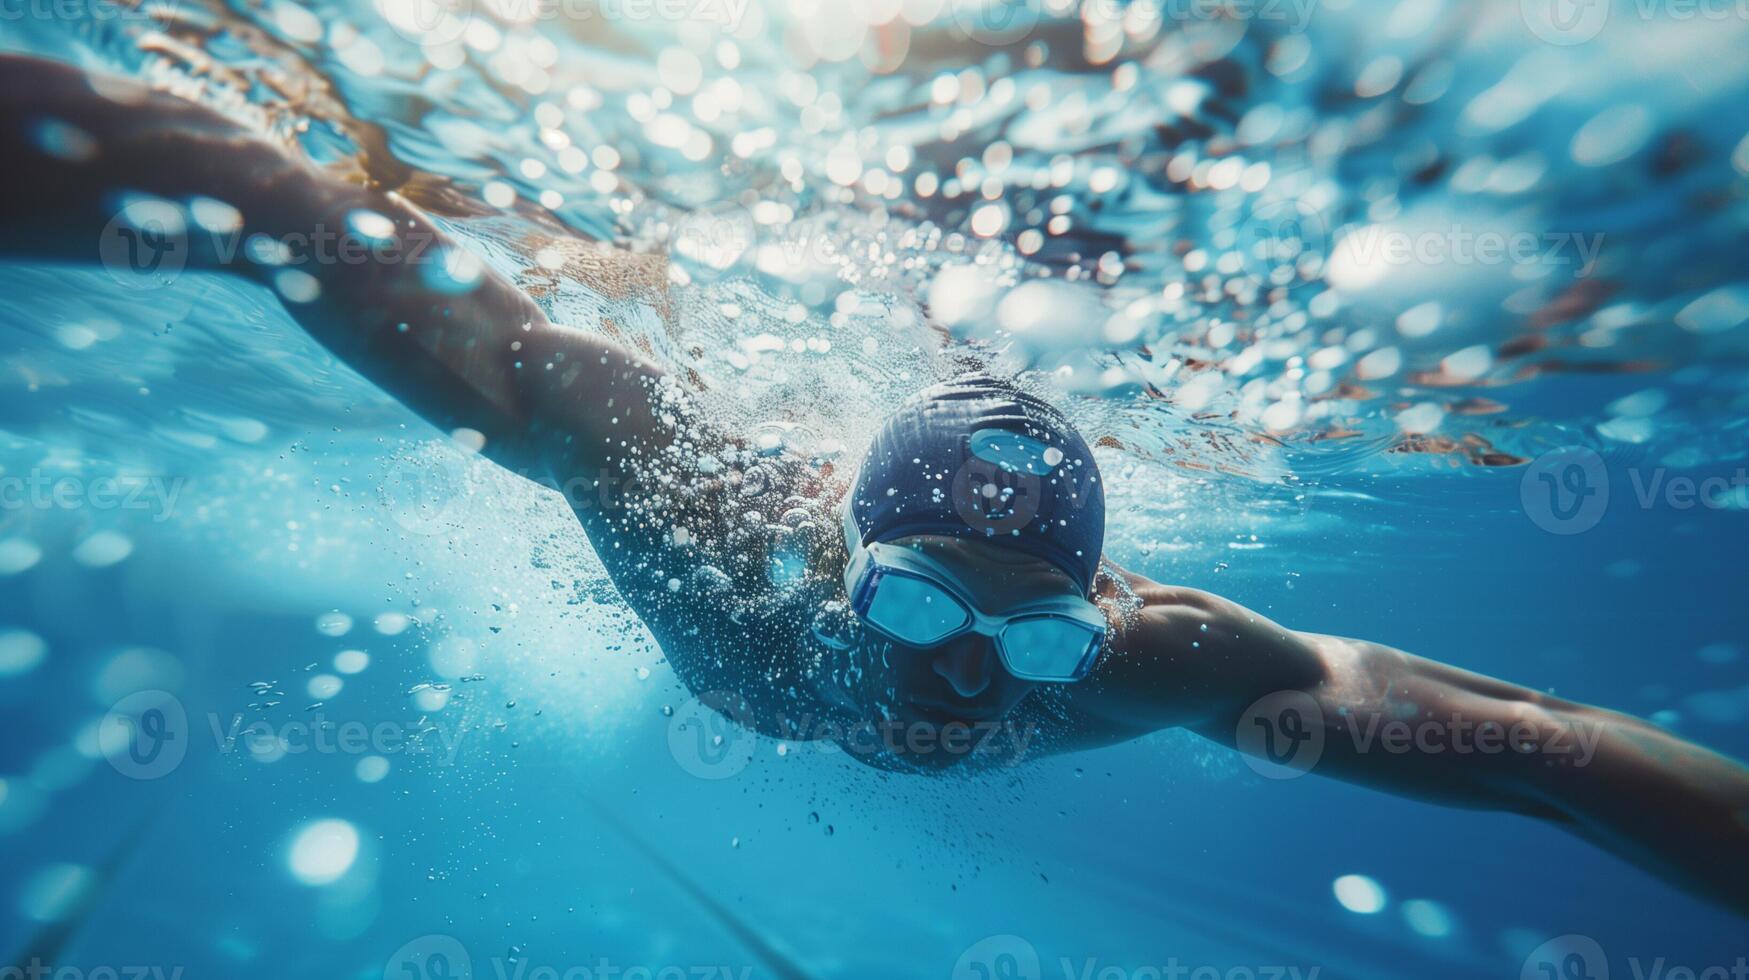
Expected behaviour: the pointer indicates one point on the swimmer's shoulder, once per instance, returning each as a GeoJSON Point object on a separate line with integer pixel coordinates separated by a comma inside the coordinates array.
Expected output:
{"type": "Point", "coordinates": [729, 570]}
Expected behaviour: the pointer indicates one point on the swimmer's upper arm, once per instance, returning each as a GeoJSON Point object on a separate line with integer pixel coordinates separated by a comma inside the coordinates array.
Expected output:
{"type": "Point", "coordinates": [1181, 657]}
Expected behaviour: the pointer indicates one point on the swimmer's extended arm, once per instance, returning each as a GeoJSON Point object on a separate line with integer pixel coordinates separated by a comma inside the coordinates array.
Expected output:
{"type": "Point", "coordinates": [647, 476]}
{"type": "Point", "coordinates": [1413, 727]}
{"type": "Point", "coordinates": [77, 145]}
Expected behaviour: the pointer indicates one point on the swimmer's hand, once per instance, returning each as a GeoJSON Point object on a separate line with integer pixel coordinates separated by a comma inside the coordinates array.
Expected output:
{"type": "Point", "coordinates": [1376, 716]}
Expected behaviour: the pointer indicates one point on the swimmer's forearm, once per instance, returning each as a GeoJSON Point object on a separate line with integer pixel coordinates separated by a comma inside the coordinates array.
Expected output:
{"type": "Point", "coordinates": [449, 350]}
{"type": "Point", "coordinates": [1667, 804]}
{"type": "Point", "coordinates": [1418, 728]}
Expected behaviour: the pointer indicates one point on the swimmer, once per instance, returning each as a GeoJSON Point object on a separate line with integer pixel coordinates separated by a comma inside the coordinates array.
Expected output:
{"type": "Point", "coordinates": [939, 600]}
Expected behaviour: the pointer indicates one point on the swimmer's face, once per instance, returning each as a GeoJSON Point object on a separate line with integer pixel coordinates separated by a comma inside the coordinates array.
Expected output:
{"type": "Point", "coordinates": [963, 680]}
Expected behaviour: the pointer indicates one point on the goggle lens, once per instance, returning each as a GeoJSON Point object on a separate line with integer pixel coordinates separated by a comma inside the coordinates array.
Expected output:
{"type": "Point", "coordinates": [1047, 647]}
{"type": "Point", "coordinates": [915, 610]}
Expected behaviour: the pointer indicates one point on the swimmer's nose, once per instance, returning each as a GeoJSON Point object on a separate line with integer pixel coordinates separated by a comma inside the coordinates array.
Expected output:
{"type": "Point", "coordinates": [966, 665]}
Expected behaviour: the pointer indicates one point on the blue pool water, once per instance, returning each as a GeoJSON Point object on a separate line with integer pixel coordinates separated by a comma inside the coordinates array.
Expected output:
{"type": "Point", "coordinates": [419, 728]}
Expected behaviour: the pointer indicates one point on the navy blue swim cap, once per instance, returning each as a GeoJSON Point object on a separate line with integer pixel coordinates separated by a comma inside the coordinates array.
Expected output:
{"type": "Point", "coordinates": [977, 457]}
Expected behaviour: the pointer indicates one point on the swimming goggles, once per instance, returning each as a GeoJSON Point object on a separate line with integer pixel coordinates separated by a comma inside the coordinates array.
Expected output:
{"type": "Point", "coordinates": [904, 595]}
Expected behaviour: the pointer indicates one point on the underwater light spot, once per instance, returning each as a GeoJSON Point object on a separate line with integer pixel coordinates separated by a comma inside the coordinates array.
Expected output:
{"type": "Point", "coordinates": [371, 769]}
{"type": "Point", "coordinates": [1355, 262]}
{"type": "Point", "coordinates": [1724, 707]}
{"type": "Point", "coordinates": [1468, 364]}
{"type": "Point", "coordinates": [1628, 429]}
{"type": "Point", "coordinates": [453, 656]}
{"type": "Point", "coordinates": [215, 216]}
{"type": "Point", "coordinates": [1381, 363]}
{"type": "Point", "coordinates": [243, 429]}
{"type": "Point", "coordinates": [1359, 894]}
{"type": "Point", "coordinates": [21, 802]}
{"type": "Point", "coordinates": [18, 555]}
{"type": "Point", "coordinates": [1719, 653]}
{"type": "Point", "coordinates": [267, 749]}
{"type": "Point", "coordinates": [392, 623]}
{"type": "Point", "coordinates": [65, 141]}
{"type": "Point", "coordinates": [1281, 416]}
{"type": "Point", "coordinates": [1427, 918]}
{"type": "Point", "coordinates": [961, 293]}
{"type": "Point", "coordinates": [1722, 309]}
{"type": "Point", "coordinates": [351, 661]}
{"type": "Point", "coordinates": [20, 652]}
{"type": "Point", "coordinates": [334, 623]}
{"type": "Point", "coordinates": [76, 336]}
{"type": "Point", "coordinates": [88, 740]}
{"type": "Point", "coordinates": [59, 768]}
{"type": "Point", "coordinates": [1421, 419]}
{"type": "Point", "coordinates": [324, 686]}
{"type": "Point", "coordinates": [455, 272]}
{"type": "Point", "coordinates": [1640, 404]}
{"type": "Point", "coordinates": [370, 224]}
{"type": "Point", "coordinates": [53, 892]}
{"type": "Point", "coordinates": [429, 698]}
{"type": "Point", "coordinates": [323, 851]}
{"type": "Point", "coordinates": [297, 286]}
{"type": "Point", "coordinates": [468, 440]}
{"type": "Point", "coordinates": [843, 165]}
{"type": "Point", "coordinates": [989, 220]}
{"type": "Point", "coordinates": [1612, 135]}
{"type": "Point", "coordinates": [298, 24]}
{"type": "Point", "coordinates": [135, 669]}
{"type": "Point", "coordinates": [103, 549]}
